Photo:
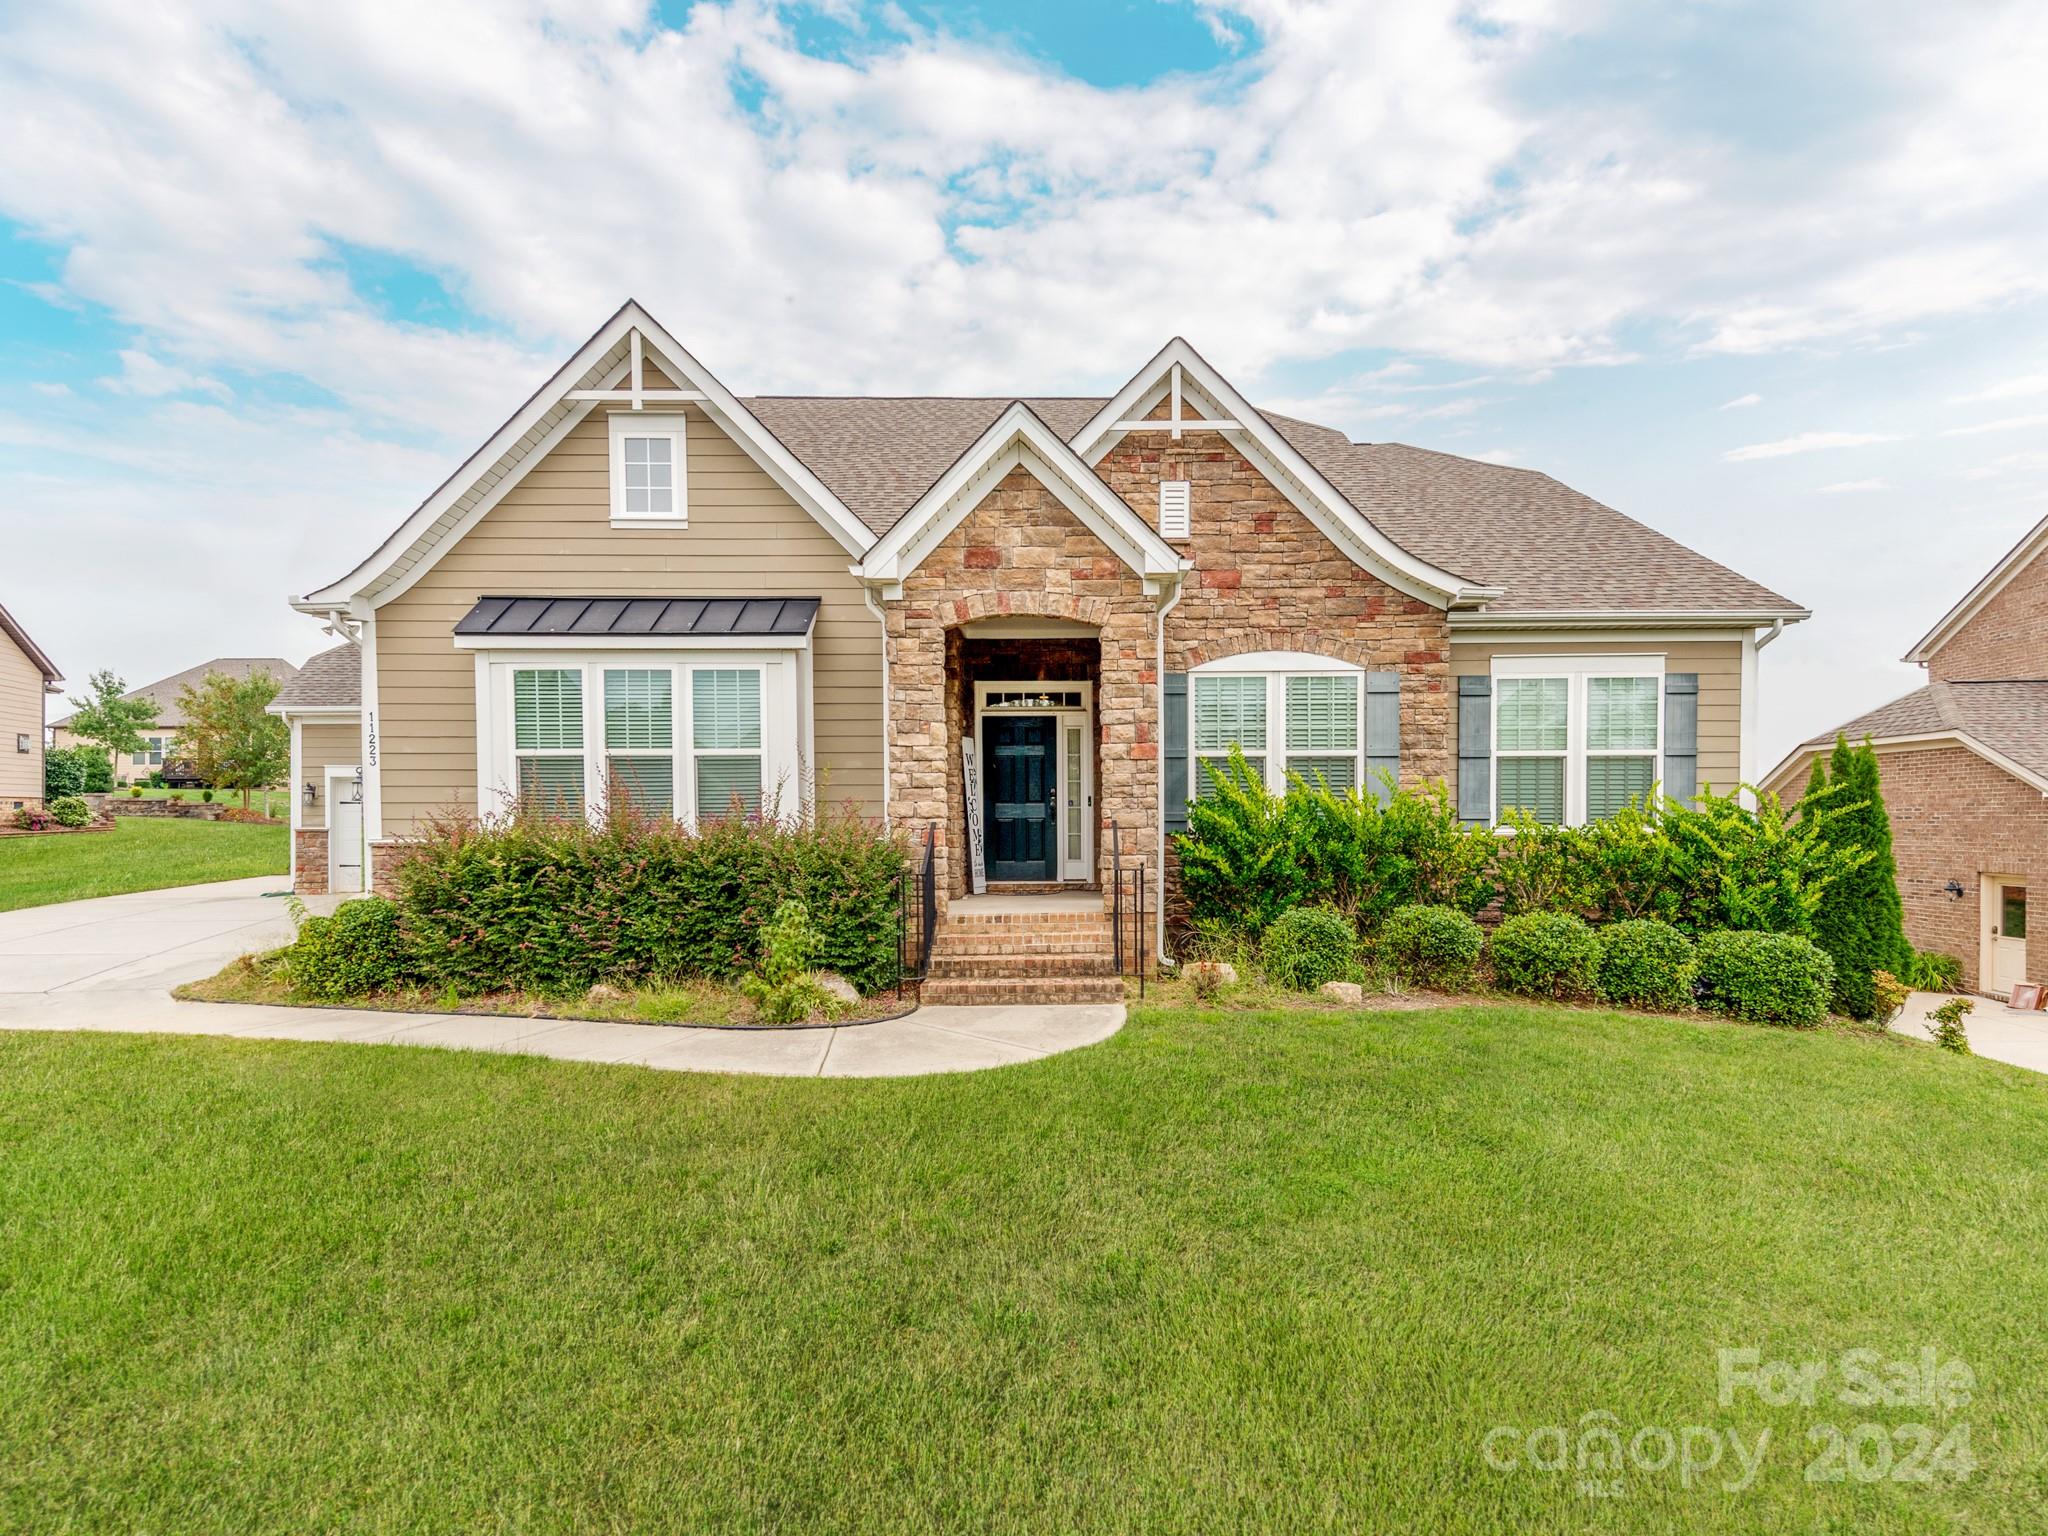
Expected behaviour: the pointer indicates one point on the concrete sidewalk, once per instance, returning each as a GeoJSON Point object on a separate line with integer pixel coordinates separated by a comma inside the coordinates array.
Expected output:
{"type": "Point", "coordinates": [108, 964]}
{"type": "Point", "coordinates": [2002, 1033]}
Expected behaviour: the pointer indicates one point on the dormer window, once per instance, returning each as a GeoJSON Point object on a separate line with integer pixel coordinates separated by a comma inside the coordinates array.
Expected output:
{"type": "Point", "coordinates": [647, 470]}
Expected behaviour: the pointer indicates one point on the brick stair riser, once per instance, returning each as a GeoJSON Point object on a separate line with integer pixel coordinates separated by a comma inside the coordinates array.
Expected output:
{"type": "Point", "coordinates": [1020, 967]}
{"type": "Point", "coordinates": [951, 991]}
{"type": "Point", "coordinates": [1005, 922]}
{"type": "Point", "coordinates": [958, 944]}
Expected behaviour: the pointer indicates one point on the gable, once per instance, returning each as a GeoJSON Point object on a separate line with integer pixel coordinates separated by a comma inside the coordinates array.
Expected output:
{"type": "Point", "coordinates": [2000, 628]}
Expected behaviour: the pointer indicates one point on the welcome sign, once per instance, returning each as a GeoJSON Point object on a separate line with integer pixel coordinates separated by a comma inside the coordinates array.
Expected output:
{"type": "Point", "coordinates": [970, 779]}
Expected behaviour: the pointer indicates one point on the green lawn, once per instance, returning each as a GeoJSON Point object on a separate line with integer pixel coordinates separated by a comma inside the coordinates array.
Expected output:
{"type": "Point", "coordinates": [138, 855]}
{"type": "Point", "coordinates": [1221, 1273]}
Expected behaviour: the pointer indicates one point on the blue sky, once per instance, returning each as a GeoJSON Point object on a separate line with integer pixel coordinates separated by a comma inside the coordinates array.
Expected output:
{"type": "Point", "coordinates": [1768, 277]}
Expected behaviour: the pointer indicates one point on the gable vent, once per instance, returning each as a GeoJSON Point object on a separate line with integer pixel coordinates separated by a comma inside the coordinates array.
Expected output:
{"type": "Point", "coordinates": [1173, 509]}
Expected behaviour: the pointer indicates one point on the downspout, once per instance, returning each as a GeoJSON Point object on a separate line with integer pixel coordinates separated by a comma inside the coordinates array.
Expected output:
{"type": "Point", "coordinates": [1777, 628]}
{"type": "Point", "coordinates": [868, 596]}
{"type": "Point", "coordinates": [1751, 711]}
{"type": "Point", "coordinates": [1159, 687]}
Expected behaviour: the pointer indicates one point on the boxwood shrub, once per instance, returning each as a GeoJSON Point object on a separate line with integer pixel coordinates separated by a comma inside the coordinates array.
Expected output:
{"type": "Point", "coordinates": [1645, 964]}
{"type": "Point", "coordinates": [357, 950]}
{"type": "Point", "coordinates": [1544, 954]}
{"type": "Point", "coordinates": [70, 811]}
{"type": "Point", "coordinates": [1767, 978]}
{"type": "Point", "coordinates": [1308, 946]}
{"type": "Point", "coordinates": [1432, 946]}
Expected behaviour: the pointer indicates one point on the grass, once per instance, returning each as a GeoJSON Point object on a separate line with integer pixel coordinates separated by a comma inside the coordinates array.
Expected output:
{"type": "Point", "coordinates": [1278, 1271]}
{"type": "Point", "coordinates": [138, 855]}
{"type": "Point", "coordinates": [693, 1000]}
{"type": "Point", "coordinates": [271, 802]}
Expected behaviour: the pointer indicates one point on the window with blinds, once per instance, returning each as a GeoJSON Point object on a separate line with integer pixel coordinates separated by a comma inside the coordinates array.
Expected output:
{"type": "Point", "coordinates": [1227, 712]}
{"type": "Point", "coordinates": [639, 739]}
{"type": "Point", "coordinates": [547, 739]}
{"type": "Point", "coordinates": [1621, 742]}
{"type": "Point", "coordinates": [725, 740]}
{"type": "Point", "coordinates": [1322, 730]}
{"type": "Point", "coordinates": [1578, 745]}
{"type": "Point", "coordinates": [1531, 738]}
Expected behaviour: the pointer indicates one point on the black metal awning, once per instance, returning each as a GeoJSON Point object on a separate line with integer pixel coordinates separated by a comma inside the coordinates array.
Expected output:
{"type": "Point", "coordinates": [655, 618]}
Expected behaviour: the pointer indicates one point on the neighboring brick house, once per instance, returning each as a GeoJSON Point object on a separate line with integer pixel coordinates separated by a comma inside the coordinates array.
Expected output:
{"type": "Point", "coordinates": [643, 585]}
{"type": "Point", "coordinates": [1965, 771]}
{"type": "Point", "coordinates": [323, 706]}
{"type": "Point", "coordinates": [160, 742]}
{"type": "Point", "coordinates": [27, 678]}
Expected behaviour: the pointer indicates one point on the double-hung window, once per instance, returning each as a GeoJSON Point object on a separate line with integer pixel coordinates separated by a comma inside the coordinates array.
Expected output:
{"type": "Point", "coordinates": [639, 739]}
{"type": "Point", "coordinates": [1312, 704]}
{"type": "Point", "coordinates": [725, 740]}
{"type": "Point", "coordinates": [1575, 739]}
{"type": "Point", "coordinates": [547, 739]}
{"type": "Point", "coordinates": [151, 755]}
{"type": "Point", "coordinates": [647, 470]}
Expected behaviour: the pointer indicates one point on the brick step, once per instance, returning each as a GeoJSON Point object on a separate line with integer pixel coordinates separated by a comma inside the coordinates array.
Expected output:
{"type": "Point", "coordinates": [959, 991]}
{"type": "Point", "coordinates": [948, 944]}
{"type": "Point", "coordinates": [1004, 922]}
{"type": "Point", "coordinates": [1007, 967]}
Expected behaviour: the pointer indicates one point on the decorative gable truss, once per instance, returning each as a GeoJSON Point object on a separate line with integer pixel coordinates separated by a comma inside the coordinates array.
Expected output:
{"type": "Point", "coordinates": [1199, 399]}
{"type": "Point", "coordinates": [608, 369]}
{"type": "Point", "coordinates": [1019, 438]}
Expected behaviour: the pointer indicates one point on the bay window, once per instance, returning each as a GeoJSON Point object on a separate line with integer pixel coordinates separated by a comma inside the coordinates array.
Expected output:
{"type": "Point", "coordinates": [1575, 739]}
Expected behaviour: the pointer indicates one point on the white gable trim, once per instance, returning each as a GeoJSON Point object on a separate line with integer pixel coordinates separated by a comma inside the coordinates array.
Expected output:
{"type": "Point", "coordinates": [2017, 559]}
{"type": "Point", "coordinates": [1018, 438]}
{"type": "Point", "coordinates": [1179, 370]}
{"type": "Point", "coordinates": [605, 361]}
{"type": "Point", "coordinates": [1779, 779]}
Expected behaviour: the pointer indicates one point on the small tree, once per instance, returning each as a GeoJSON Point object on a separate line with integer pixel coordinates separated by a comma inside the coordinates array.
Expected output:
{"type": "Point", "coordinates": [108, 720]}
{"type": "Point", "coordinates": [232, 739]}
{"type": "Point", "coordinates": [1861, 923]}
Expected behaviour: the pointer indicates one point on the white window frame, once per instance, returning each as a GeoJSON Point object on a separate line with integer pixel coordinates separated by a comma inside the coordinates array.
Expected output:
{"type": "Point", "coordinates": [1576, 672]}
{"type": "Point", "coordinates": [785, 730]}
{"type": "Point", "coordinates": [1276, 667]}
{"type": "Point", "coordinates": [673, 427]}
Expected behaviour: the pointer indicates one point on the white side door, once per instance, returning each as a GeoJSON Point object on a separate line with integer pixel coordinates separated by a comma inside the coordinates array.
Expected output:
{"type": "Point", "coordinates": [345, 835]}
{"type": "Point", "coordinates": [2007, 903]}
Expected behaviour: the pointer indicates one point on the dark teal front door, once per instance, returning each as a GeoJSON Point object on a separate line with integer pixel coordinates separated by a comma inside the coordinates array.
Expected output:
{"type": "Point", "coordinates": [1017, 770]}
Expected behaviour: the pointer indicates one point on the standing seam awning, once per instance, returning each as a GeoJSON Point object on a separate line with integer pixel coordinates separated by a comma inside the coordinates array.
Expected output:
{"type": "Point", "coordinates": [653, 618]}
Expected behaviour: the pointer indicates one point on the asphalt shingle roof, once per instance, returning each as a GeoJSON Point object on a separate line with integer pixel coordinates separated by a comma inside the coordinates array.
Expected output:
{"type": "Point", "coordinates": [331, 680]}
{"type": "Point", "coordinates": [2011, 718]}
{"type": "Point", "coordinates": [165, 690]}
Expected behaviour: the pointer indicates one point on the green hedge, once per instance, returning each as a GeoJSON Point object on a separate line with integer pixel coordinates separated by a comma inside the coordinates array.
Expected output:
{"type": "Point", "coordinates": [357, 950]}
{"type": "Point", "coordinates": [1544, 954]}
{"type": "Point", "coordinates": [1304, 948]}
{"type": "Point", "coordinates": [1431, 945]}
{"type": "Point", "coordinates": [76, 771]}
{"type": "Point", "coordinates": [1645, 964]}
{"type": "Point", "coordinates": [1766, 978]}
{"type": "Point", "coordinates": [552, 907]}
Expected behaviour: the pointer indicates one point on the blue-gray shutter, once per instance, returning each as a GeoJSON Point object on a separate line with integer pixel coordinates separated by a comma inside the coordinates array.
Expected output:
{"type": "Point", "coordinates": [1382, 731]}
{"type": "Point", "coordinates": [1475, 750]}
{"type": "Point", "coordinates": [1176, 752]}
{"type": "Point", "coordinates": [1681, 734]}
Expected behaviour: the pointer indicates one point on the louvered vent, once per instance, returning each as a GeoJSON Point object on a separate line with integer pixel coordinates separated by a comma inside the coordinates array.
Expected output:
{"type": "Point", "coordinates": [1173, 509]}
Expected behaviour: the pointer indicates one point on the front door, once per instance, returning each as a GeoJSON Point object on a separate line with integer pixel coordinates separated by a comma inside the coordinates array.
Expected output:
{"type": "Point", "coordinates": [2008, 936]}
{"type": "Point", "coordinates": [345, 835]}
{"type": "Point", "coordinates": [1017, 769]}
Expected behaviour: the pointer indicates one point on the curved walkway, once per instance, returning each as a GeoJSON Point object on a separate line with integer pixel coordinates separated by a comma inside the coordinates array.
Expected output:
{"type": "Point", "coordinates": [108, 964]}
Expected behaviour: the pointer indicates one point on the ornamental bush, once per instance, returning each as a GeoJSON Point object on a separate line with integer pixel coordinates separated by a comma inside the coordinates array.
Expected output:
{"type": "Point", "coordinates": [1304, 948]}
{"type": "Point", "coordinates": [557, 906]}
{"type": "Point", "coordinates": [1932, 971]}
{"type": "Point", "coordinates": [1645, 964]}
{"type": "Point", "coordinates": [1766, 978]}
{"type": "Point", "coordinates": [354, 952]}
{"type": "Point", "coordinates": [70, 811]}
{"type": "Point", "coordinates": [1431, 945]}
{"type": "Point", "coordinates": [1859, 923]}
{"type": "Point", "coordinates": [76, 771]}
{"type": "Point", "coordinates": [1544, 954]}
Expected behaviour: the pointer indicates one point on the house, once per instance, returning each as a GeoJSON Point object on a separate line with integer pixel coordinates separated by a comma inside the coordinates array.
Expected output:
{"type": "Point", "coordinates": [27, 675]}
{"type": "Point", "coordinates": [323, 706]}
{"type": "Point", "coordinates": [160, 742]}
{"type": "Point", "coordinates": [645, 585]}
{"type": "Point", "coordinates": [1964, 764]}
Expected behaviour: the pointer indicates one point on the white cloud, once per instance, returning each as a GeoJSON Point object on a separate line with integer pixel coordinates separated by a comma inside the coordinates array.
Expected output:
{"type": "Point", "coordinates": [2003, 424]}
{"type": "Point", "coordinates": [1742, 400]}
{"type": "Point", "coordinates": [1808, 442]}
{"type": "Point", "coordinates": [2006, 389]}
{"type": "Point", "coordinates": [142, 374]}
{"type": "Point", "coordinates": [1845, 487]}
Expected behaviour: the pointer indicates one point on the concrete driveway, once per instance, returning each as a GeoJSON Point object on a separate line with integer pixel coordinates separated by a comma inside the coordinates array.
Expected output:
{"type": "Point", "coordinates": [2002, 1033]}
{"type": "Point", "coordinates": [109, 964]}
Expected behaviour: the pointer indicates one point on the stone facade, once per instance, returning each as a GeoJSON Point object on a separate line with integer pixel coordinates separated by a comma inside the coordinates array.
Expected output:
{"type": "Point", "coordinates": [2007, 638]}
{"type": "Point", "coordinates": [1020, 552]}
{"type": "Point", "coordinates": [309, 861]}
{"type": "Point", "coordinates": [384, 861]}
{"type": "Point", "coordinates": [1265, 579]}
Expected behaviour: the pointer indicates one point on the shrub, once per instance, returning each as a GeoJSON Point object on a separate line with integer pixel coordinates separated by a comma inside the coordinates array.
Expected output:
{"type": "Point", "coordinates": [241, 813]}
{"type": "Point", "coordinates": [1238, 859]}
{"type": "Point", "coordinates": [1947, 1024]}
{"type": "Point", "coordinates": [1766, 978]}
{"type": "Point", "coordinates": [355, 952]}
{"type": "Point", "coordinates": [555, 906]}
{"type": "Point", "coordinates": [1645, 964]}
{"type": "Point", "coordinates": [1304, 948]}
{"type": "Point", "coordinates": [1859, 923]}
{"type": "Point", "coordinates": [1544, 954]}
{"type": "Point", "coordinates": [70, 811]}
{"type": "Point", "coordinates": [76, 771]}
{"type": "Point", "coordinates": [1628, 867]}
{"type": "Point", "coordinates": [206, 796]}
{"type": "Point", "coordinates": [1932, 971]}
{"type": "Point", "coordinates": [1432, 945]}
{"type": "Point", "coordinates": [1540, 868]}
{"type": "Point", "coordinates": [783, 990]}
{"type": "Point", "coordinates": [1889, 994]}
{"type": "Point", "coordinates": [1736, 868]}
{"type": "Point", "coordinates": [30, 818]}
{"type": "Point", "coordinates": [135, 793]}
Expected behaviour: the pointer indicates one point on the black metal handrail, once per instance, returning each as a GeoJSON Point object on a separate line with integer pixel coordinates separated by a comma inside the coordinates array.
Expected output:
{"type": "Point", "coordinates": [1116, 908]}
{"type": "Point", "coordinates": [928, 914]}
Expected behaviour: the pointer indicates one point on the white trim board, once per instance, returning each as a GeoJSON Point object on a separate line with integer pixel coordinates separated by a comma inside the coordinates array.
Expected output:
{"type": "Point", "coordinates": [2015, 560]}
{"type": "Point", "coordinates": [1917, 741]}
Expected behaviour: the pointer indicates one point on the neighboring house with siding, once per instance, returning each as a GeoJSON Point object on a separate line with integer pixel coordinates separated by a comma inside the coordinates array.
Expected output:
{"type": "Point", "coordinates": [644, 585]}
{"type": "Point", "coordinates": [1964, 764]}
{"type": "Point", "coordinates": [160, 742]}
{"type": "Point", "coordinates": [27, 678]}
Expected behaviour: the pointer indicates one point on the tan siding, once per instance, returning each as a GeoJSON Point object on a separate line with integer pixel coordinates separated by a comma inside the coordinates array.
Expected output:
{"type": "Point", "coordinates": [552, 535]}
{"type": "Point", "coordinates": [1718, 663]}
{"type": "Point", "coordinates": [21, 713]}
{"type": "Point", "coordinates": [322, 747]}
